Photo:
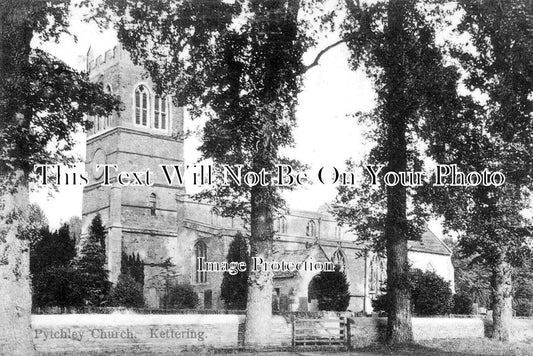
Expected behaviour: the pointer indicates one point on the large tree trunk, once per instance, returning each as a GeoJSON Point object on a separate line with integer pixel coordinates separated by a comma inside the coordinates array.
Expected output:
{"type": "Point", "coordinates": [258, 326]}
{"type": "Point", "coordinates": [399, 328]}
{"type": "Point", "coordinates": [259, 306]}
{"type": "Point", "coordinates": [15, 293]}
{"type": "Point", "coordinates": [502, 300]}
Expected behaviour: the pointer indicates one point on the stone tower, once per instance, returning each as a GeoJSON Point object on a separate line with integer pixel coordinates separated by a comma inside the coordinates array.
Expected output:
{"type": "Point", "coordinates": [142, 220]}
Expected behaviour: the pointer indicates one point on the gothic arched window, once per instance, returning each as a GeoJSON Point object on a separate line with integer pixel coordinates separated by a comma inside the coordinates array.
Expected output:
{"type": "Point", "coordinates": [142, 103]}
{"type": "Point", "coordinates": [338, 232]}
{"type": "Point", "coordinates": [200, 251]}
{"type": "Point", "coordinates": [160, 112]}
{"type": "Point", "coordinates": [282, 225]}
{"type": "Point", "coordinates": [338, 259]}
{"type": "Point", "coordinates": [214, 217]}
{"type": "Point", "coordinates": [378, 274]}
{"type": "Point", "coordinates": [311, 228]}
{"type": "Point", "coordinates": [153, 204]}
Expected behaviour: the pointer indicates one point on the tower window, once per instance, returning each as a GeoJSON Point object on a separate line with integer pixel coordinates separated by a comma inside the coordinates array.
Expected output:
{"type": "Point", "coordinates": [142, 102]}
{"type": "Point", "coordinates": [311, 228]}
{"type": "Point", "coordinates": [160, 112]}
{"type": "Point", "coordinates": [108, 90]}
{"type": "Point", "coordinates": [200, 250]}
{"type": "Point", "coordinates": [338, 232]}
{"type": "Point", "coordinates": [153, 204]}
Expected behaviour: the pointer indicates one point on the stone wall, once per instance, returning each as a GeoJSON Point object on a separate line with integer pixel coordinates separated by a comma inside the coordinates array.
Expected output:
{"type": "Point", "coordinates": [87, 332]}
{"type": "Point", "coordinates": [69, 332]}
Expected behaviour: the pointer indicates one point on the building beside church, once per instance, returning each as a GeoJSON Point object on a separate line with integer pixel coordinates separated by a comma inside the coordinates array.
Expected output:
{"type": "Point", "coordinates": [169, 231]}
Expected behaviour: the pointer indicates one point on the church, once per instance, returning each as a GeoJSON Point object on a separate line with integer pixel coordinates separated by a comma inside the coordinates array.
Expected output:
{"type": "Point", "coordinates": [170, 231]}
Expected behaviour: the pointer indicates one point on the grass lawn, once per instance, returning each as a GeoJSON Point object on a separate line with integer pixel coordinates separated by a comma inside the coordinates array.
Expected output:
{"type": "Point", "coordinates": [456, 347]}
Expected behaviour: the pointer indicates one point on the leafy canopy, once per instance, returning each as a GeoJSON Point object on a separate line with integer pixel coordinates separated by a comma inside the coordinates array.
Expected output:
{"type": "Point", "coordinates": [492, 129]}
{"type": "Point", "coordinates": [238, 64]}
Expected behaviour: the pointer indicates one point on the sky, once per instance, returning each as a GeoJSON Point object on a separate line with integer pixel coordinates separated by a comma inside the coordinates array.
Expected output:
{"type": "Point", "coordinates": [326, 134]}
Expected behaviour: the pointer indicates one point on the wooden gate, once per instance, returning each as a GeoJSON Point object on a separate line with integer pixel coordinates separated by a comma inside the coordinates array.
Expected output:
{"type": "Point", "coordinates": [329, 331]}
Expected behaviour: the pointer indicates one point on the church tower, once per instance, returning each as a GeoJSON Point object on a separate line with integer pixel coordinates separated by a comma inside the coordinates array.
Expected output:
{"type": "Point", "coordinates": [146, 133]}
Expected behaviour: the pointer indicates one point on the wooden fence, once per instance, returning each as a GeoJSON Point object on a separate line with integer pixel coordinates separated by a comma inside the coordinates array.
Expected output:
{"type": "Point", "coordinates": [328, 331]}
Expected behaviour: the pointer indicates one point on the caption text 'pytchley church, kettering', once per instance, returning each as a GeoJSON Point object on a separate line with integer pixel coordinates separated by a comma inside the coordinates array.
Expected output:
{"type": "Point", "coordinates": [169, 231]}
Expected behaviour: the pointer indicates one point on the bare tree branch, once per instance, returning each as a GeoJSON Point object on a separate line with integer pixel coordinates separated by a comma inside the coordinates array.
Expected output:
{"type": "Point", "coordinates": [321, 53]}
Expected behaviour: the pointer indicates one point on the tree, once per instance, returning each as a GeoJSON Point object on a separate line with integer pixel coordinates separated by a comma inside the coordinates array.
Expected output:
{"type": "Point", "coordinates": [181, 296]}
{"type": "Point", "coordinates": [126, 293]}
{"type": "Point", "coordinates": [471, 279]}
{"type": "Point", "coordinates": [51, 270]}
{"type": "Point", "coordinates": [56, 286]}
{"type": "Point", "coordinates": [133, 266]}
{"type": "Point", "coordinates": [332, 290]}
{"type": "Point", "coordinates": [90, 265]}
{"type": "Point", "coordinates": [495, 126]}
{"type": "Point", "coordinates": [42, 101]}
{"type": "Point", "coordinates": [52, 249]}
{"type": "Point", "coordinates": [36, 221]}
{"type": "Point", "coordinates": [240, 65]}
{"type": "Point", "coordinates": [395, 42]}
{"type": "Point", "coordinates": [234, 288]}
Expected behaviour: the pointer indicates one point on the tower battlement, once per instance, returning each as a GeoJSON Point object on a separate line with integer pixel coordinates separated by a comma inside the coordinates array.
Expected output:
{"type": "Point", "coordinates": [110, 57]}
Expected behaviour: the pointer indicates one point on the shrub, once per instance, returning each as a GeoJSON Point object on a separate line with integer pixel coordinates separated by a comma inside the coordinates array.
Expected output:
{"type": "Point", "coordinates": [430, 294]}
{"type": "Point", "coordinates": [126, 293]}
{"type": "Point", "coordinates": [234, 288]}
{"type": "Point", "coordinates": [462, 304]}
{"type": "Point", "coordinates": [181, 296]}
{"type": "Point", "coordinates": [332, 290]}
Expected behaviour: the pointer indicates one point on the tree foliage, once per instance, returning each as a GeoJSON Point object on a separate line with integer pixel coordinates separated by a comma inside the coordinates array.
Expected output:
{"type": "Point", "coordinates": [50, 266]}
{"type": "Point", "coordinates": [91, 267]}
{"type": "Point", "coordinates": [42, 102]}
{"type": "Point", "coordinates": [52, 249]}
{"type": "Point", "coordinates": [181, 296]}
{"type": "Point", "coordinates": [234, 288]}
{"type": "Point", "coordinates": [132, 266]}
{"type": "Point", "coordinates": [523, 290]}
{"type": "Point", "coordinates": [240, 65]}
{"type": "Point", "coordinates": [462, 304]}
{"type": "Point", "coordinates": [430, 294]}
{"type": "Point", "coordinates": [491, 130]}
{"type": "Point", "coordinates": [126, 293]}
{"type": "Point", "coordinates": [56, 101]}
{"type": "Point", "coordinates": [332, 290]}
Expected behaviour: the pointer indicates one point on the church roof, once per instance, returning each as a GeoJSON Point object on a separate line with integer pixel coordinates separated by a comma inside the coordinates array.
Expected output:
{"type": "Point", "coordinates": [429, 243]}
